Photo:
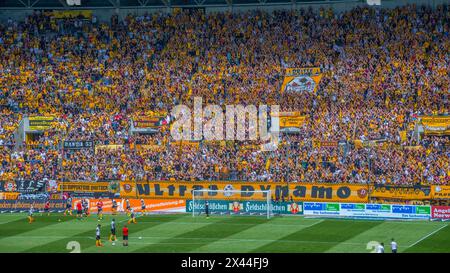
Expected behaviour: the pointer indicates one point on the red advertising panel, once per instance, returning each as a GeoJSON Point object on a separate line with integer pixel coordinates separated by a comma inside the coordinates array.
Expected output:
{"type": "Point", "coordinates": [440, 212]}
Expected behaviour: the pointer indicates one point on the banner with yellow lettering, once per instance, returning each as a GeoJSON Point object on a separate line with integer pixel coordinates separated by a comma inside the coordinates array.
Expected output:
{"type": "Point", "coordinates": [9, 195]}
{"type": "Point", "coordinates": [440, 192]}
{"type": "Point", "coordinates": [298, 191]}
{"type": "Point", "coordinates": [436, 125]}
{"type": "Point", "coordinates": [325, 144]}
{"type": "Point", "coordinates": [301, 79]}
{"type": "Point", "coordinates": [185, 144]}
{"type": "Point", "coordinates": [85, 186]}
{"type": "Point", "coordinates": [290, 119]}
{"type": "Point", "coordinates": [40, 123]}
{"type": "Point", "coordinates": [401, 192]}
{"type": "Point", "coordinates": [149, 147]}
{"type": "Point", "coordinates": [110, 147]}
{"type": "Point", "coordinates": [66, 14]}
{"type": "Point", "coordinates": [148, 121]}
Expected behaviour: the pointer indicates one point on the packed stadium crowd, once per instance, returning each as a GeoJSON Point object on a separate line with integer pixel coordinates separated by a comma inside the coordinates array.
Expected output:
{"type": "Point", "coordinates": [382, 69]}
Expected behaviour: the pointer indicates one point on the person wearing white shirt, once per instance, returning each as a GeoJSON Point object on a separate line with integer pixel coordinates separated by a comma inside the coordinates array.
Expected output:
{"type": "Point", "coordinates": [380, 248]}
{"type": "Point", "coordinates": [393, 246]}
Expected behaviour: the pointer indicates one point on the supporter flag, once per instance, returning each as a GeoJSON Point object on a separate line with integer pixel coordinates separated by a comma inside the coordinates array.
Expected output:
{"type": "Point", "coordinates": [403, 135]}
{"type": "Point", "coordinates": [301, 79]}
{"type": "Point", "coordinates": [267, 164]}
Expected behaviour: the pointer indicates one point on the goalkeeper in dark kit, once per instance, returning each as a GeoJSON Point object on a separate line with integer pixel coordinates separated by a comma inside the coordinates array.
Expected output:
{"type": "Point", "coordinates": [207, 209]}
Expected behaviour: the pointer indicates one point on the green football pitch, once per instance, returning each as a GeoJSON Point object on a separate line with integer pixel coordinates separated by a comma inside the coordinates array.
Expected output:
{"type": "Point", "coordinates": [229, 234]}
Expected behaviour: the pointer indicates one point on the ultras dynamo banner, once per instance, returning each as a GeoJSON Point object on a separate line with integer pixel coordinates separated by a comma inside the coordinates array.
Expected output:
{"type": "Point", "coordinates": [299, 192]}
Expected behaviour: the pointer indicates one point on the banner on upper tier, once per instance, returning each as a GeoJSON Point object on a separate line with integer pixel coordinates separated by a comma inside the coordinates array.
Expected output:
{"type": "Point", "coordinates": [8, 186]}
{"type": "Point", "coordinates": [84, 186]}
{"type": "Point", "coordinates": [301, 79]}
{"type": "Point", "coordinates": [78, 144]}
{"type": "Point", "coordinates": [185, 144]}
{"type": "Point", "coordinates": [299, 192]}
{"type": "Point", "coordinates": [290, 119]}
{"type": "Point", "coordinates": [440, 192]}
{"type": "Point", "coordinates": [148, 122]}
{"type": "Point", "coordinates": [440, 212]}
{"type": "Point", "coordinates": [109, 147]}
{"type": "Point", "coordinates": [325, 144]}
{"type": "Point", "coordinates": [40, 123]}
{"type": "Point", "coordinates": [66, 14]}
{"type": "Point", "coordinates": [227, 206]}
{"type": "Point", "coordinates": [401, 192]}
{"type": "Point", "coordinates": [30, 186]}
{"type": "Point", "coordinates": [135, 204]}
{"type": "Point", "coordinates": [436, 125]}
{"type": "Point", "coordinates": [366, 210]}
{"type": "Point", "coordinates": [149, 147]}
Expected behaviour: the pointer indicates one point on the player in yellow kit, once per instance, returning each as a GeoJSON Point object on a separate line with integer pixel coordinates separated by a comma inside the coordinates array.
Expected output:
{"type": "Point", "coordinates": [114, 207]}
{"type": "Point", "coordinates": [143, 207]}
{"type": "Point", "coordinates": [30, 215]}
{"type": "Point", "coordinates": [132, 217]}
{"type": "Point", "coordinates": [68, 206]}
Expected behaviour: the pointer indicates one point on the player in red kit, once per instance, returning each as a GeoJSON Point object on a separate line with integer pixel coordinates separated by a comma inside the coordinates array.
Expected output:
{"type": "Point", "coordinates": [100, 210]}
{"type": "Point", "coordinates": [125, 235]}
{"type": "Point", "coordinates": [47, 208]}
{"type": "Point", "coordinates": [79, 211]}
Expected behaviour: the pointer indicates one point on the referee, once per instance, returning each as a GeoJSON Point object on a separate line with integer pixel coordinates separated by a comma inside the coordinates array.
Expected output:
{"type": "Point", "coordinates": [207, 209]}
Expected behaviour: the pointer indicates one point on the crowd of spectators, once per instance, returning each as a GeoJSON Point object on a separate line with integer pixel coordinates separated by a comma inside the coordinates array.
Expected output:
{"type": "Point", "coordinates": [382, 69]}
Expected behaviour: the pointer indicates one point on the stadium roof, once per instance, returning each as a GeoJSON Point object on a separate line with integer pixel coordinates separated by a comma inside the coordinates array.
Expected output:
{"type": "Point", "coordinates": [62, 4]}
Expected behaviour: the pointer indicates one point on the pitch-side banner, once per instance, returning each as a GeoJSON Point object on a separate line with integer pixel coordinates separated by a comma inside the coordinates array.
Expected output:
{"type": "Point", "coordinates": [299, 192]}
{"type": "Point", "coordinates": [399, 192]}
{"type": "Point", "coordinates": [440, 212]}
{"type": "Point", "coordinates": [367, 210]}
{"type": "Point", "coordinates": [135, 204]}
{"type": "Point", "coordinates": [227, 206]}
{"type": "Point", "coordinates": [24, 205]}
{"type": "Point", "coordinates": [301, 79]}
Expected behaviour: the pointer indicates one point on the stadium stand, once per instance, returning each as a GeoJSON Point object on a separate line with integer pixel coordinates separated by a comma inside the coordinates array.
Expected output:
{"type": "Point", "coordinates": [383, 69]}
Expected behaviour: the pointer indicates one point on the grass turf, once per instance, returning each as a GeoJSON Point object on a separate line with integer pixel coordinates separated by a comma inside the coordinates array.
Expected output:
{"type": "Point", "coordinates": [183, 233]}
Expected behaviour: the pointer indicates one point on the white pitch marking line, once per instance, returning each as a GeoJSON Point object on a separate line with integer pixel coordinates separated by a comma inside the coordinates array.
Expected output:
{"type": "Point", "coordinates": [216, 240]}
{"type": "Point", "coordinates": [426, 236]}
